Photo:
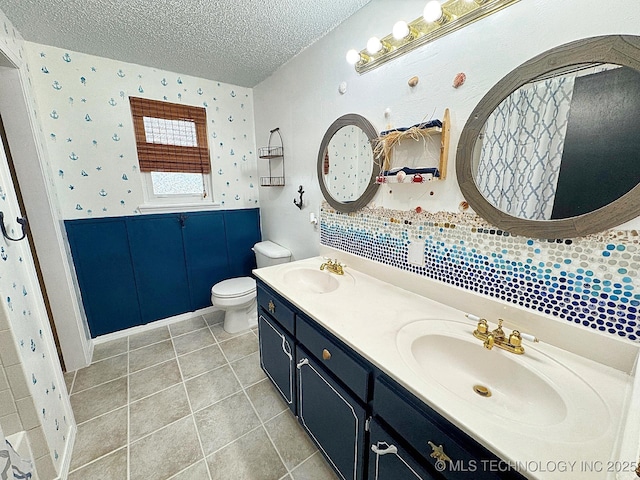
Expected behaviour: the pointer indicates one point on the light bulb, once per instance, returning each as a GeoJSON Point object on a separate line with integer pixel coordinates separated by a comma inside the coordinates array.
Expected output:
{"type": "Point", "coordinates": [353, 56]}
{"type": "Point", "coordinates": [401, 30]}
{"type": "Point", "coordinates": [374, 45]}
{"type": "Point", "coordinates": [432, 11]}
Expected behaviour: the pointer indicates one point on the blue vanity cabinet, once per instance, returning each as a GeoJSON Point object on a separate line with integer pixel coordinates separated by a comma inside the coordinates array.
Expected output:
{"type": "Point", "coordinates": [159, 265]}
{"type": "Point", "coordinates": [277, 346]}
{"type": "Point", "coordinates": [332, 417]}
{"type": "Point", "coordinates": [103, 266]}
{"type": "Point", "coordinates": [388, 460]}
{"type": "Point", "coordinates": [420, 429]}
{"type": "Point", "coordinates": [365, 423]}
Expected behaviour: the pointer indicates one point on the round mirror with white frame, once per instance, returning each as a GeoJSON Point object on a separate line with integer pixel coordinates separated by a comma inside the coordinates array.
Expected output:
{"type": "Point", "coordinates": [346, 163]}
{"type": "Point", "coordinates": [551, 151]}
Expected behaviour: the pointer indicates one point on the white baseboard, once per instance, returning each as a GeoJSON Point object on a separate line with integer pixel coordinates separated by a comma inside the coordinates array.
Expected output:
{"type": "Point", "coordinates": [151, 325]}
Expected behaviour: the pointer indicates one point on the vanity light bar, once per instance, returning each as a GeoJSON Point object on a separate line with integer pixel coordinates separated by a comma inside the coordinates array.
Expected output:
{"type": "Point", "coordinates": [443, 19]}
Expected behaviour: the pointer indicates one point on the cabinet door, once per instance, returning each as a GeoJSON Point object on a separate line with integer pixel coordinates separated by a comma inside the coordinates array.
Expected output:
{"type": "Point", "coordinates": [332, 417]}
{"type": "Point", "coordinates": [389, 461]}
{"type": "Point", "coordinates": [100, 250]}
{"type": "Point", "coordinates": [205, 251]}
{"type": "Point", "coordinates": [276, 358]}
{"type": "Point", "coordinates": [243, 232]}
{"type": "Point", "coordinates": [158, 262]}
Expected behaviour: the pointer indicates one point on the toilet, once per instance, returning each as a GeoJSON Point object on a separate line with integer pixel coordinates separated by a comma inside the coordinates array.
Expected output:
{"type": "Point", "coordinates": [237, 296]}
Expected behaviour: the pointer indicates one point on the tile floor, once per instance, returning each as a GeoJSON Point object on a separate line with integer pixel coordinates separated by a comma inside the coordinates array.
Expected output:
{"type": "Point", "coordinates": [188, 401]}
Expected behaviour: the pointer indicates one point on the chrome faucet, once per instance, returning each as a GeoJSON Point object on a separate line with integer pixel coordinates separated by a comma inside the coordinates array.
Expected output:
{"type": "Point", "coordinates": [333, 266]}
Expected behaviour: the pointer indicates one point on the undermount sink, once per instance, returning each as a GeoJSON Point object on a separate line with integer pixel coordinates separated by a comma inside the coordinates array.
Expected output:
{"type": "Point", "coordinates": [313, 281]}
{"type": "Point", "coordinates": [530, 389]}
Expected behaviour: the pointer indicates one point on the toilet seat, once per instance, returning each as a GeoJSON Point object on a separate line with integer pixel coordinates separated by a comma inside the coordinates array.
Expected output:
{"type": "Point", "coordinates": [234, 288]}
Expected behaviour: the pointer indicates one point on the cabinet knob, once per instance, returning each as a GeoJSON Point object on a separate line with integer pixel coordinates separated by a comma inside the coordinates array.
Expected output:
{"type": "Point", "coordinates": [271, 307]}
{"type": "Point", "coordinates": [326, 354]}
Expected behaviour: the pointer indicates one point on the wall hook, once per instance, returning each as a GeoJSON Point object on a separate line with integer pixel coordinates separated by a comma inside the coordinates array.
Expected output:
{"type": "Point", "coordinates": [298, 203]}
{"type": "Point", "coordinates": [21, 221]}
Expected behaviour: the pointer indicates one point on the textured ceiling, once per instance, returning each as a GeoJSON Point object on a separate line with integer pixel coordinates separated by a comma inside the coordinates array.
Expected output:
{"type": "Point", "coordinates": [234, 41]}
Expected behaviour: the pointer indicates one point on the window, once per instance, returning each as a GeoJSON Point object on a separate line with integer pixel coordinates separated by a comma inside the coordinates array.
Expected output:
{"type": "Point", "coordinates": [171, 140]}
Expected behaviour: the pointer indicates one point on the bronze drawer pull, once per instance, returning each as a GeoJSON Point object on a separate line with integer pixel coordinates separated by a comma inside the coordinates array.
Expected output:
{"type": "Point", "coordinates": [272, 307]}
{"type": "Point", "coordinates": [326, 354]}
{"type": "Point", "coordinates": [438, 452]}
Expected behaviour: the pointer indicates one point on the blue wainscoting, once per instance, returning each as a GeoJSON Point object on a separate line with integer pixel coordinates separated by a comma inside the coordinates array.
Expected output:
{"type": "Point", "coordinates": [134, 270]}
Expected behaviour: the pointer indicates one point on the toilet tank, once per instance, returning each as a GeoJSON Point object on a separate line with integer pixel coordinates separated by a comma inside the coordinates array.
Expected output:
{"type": "Point", "coordinates": [269, 253]}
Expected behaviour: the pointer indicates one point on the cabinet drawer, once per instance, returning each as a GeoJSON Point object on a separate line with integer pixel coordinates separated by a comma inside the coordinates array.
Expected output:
{"type": "Point", "coordinates": [389, 461]}
{"type": "Point", "coordinates": [419, 425]}
{"type": "Point", "coordinates": [274, 305]}
{"type": "Point", "coordinates": [334, 357]}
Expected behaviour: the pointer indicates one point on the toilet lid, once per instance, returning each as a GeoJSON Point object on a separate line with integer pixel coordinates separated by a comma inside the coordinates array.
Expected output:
{"type": "Point", "coordinates": [234, 287]}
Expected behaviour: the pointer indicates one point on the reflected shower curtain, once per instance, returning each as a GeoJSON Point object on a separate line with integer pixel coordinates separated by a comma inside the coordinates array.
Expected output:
{"type": "Point", "coordinates": [12, 467]}
{"type": "Point", "coordinates": [522, 148]}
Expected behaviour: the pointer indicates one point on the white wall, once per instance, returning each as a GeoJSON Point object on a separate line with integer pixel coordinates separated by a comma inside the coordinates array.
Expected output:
{"type": "Point", "coordinates": [302, 97]}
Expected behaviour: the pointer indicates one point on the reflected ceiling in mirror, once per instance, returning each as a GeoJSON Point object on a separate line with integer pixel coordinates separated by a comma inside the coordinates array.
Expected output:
{"type": "Point", "coordinates": [552, 150]}
{"type": "Point", "coordinates": [346, 164]}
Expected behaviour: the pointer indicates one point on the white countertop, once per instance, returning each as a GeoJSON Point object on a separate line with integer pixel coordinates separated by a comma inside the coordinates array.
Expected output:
{"type": "Point", "coordinates": [367, 314]}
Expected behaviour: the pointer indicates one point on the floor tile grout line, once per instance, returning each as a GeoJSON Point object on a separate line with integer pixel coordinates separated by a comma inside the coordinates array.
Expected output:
{"type": "Point", "coordinates": [73, 382]}
{"type": "Point", "coordinates": [94, 361]}
{"type": "Point", "coordinates": [188, 331]}
{"type": "Point", "coordinates": [124, 405]}
{"type": "Point", "coordinates": [285, 412]}
{"type": "Point", "coordinates": [193, 418]}
{"type": "Point", "coordinates": [255, 411]}
{"type": "Point", "coordinates": [96, 459]}
{"type": "Point", "coordinates": [101, 384]}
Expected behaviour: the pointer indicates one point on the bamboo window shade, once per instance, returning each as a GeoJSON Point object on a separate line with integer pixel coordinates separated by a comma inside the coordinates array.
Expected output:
{"type": "Point", "coordinates": [171, 147]}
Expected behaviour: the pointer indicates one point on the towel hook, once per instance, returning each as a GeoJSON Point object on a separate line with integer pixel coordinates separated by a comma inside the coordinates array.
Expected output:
{"type": "Point", "coordinates": [21, 221]}
{"type": "Point", "coordinates": [298, 203]}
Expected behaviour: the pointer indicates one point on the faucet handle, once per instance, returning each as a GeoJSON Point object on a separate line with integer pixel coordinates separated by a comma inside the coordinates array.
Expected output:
{"type": "Point", "coordinates": [529, 338]}
{"type": "Point", "coordinates": [472, 317]}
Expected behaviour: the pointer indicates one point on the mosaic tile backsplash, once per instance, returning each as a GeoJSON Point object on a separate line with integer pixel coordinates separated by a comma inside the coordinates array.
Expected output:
{"type": "Point", "coordinates": [591, 281]}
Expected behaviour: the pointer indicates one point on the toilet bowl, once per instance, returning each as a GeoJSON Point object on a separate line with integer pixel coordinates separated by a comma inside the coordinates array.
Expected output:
{"type": "Point", "coordinates": [237, 296]}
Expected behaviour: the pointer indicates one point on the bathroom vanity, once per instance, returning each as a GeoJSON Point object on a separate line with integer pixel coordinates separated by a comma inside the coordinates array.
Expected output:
{"type": "Point", "coordinates": [382, 381]}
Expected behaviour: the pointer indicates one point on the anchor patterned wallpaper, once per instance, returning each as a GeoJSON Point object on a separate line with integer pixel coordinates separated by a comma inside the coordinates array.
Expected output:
{"type": "Point", "coordinates": [82, 103]}
{"type": "Point", "coordinates": [28, 340]}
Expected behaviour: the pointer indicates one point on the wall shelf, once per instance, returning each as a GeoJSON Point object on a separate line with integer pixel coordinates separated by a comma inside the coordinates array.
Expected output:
{"type": "Point", "coordinates": [391, 139]}
{"type": "Point", "coordinates": [273, 152]}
